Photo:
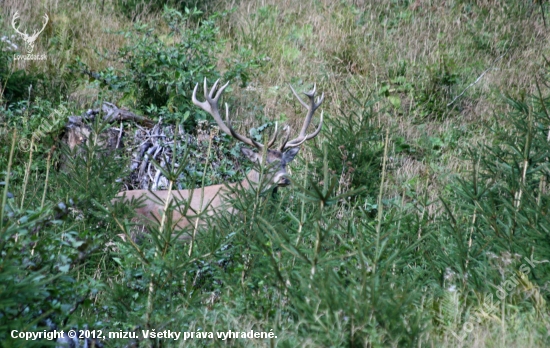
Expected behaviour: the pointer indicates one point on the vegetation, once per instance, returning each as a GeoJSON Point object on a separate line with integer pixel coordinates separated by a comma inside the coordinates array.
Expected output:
{"type": "Point", "coordinates": [418, 217]}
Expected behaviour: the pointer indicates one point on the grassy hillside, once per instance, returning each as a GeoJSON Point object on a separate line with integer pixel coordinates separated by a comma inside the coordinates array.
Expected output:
{"type": "Point", "coordinates": [418, 217]}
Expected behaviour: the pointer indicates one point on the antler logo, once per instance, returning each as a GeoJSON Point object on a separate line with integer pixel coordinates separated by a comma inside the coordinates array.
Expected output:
{"type": "Point", "coordinates": [29, 39]}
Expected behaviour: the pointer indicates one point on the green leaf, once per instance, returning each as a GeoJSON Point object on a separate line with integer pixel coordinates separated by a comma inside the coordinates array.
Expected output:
{"type": "Point", "coordinates": [395, 101]}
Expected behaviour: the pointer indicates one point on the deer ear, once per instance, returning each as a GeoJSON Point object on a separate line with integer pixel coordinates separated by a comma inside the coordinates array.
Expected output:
{"type": "Point", "coordinates": [290, 154]}
{"type": "Point", "coordinates": [251, 155]}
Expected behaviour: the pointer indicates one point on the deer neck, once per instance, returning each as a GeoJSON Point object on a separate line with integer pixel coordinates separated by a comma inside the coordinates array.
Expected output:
{"type": "Point", "coordinates": [251, 179]}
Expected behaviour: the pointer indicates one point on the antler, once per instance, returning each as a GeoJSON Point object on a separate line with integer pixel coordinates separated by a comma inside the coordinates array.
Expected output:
{"type": "Point", "coordinates": [313, 105]}
{"type": "Point", "coordinates": [210, 105]}
{"type": "Point", "coordinates": [15, 17]}
{"type": "Point", "coordinates": [35, 34]}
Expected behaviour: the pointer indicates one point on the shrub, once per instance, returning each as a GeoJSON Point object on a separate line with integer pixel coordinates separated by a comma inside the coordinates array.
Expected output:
{"type": "Point", "coordinates": [160, 72]}
{"type": "Point", "coordinates": [356, 146]}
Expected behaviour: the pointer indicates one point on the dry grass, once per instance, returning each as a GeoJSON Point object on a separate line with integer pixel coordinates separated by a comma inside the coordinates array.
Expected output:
{"type": "Point", "coordinates": [332, 43]}
{"type": "Point", "coordinates": [357, 46]}
{"type": "Point", "coordinates": [516, 331]}
{"type": "Point", "coordinates": [335, 44]}
{"type": "Point", "coordinates": [75, 29]}
{"type": "Point", "coordinates": [326, 42]}
{"type": "Point", "coordinates": [79, 28]}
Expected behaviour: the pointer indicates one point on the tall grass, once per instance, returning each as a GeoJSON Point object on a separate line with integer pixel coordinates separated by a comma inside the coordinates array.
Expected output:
{"type": "Point", "coordinates": [418, 217]}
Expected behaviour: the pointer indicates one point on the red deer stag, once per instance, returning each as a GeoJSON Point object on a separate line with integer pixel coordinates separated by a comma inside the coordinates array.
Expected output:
{"type": "Point", "coordinates": [212, 197]}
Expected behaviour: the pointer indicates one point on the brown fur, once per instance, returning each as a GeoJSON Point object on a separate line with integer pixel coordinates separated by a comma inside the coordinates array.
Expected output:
{"type": "Point", "coordinates": [212, 196]}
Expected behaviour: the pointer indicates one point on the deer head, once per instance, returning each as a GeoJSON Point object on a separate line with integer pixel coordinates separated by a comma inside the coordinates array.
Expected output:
{"type": "Point", "coordinates": [29, 39]}
{"type": "Point", "coordinates": [209, 198]}
{"type": "Point", "coordinates": [276, 158]}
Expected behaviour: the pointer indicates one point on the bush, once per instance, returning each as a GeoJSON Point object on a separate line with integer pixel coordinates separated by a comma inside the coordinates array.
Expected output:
{"type": "Point", "coordinates": [355, 146]}
{"type": "Point", "coordinates": [40, 248]}
{"type": "Point", "coordinates": [160, 72]}
{"type": "Point", "coordinates": [133, 9]}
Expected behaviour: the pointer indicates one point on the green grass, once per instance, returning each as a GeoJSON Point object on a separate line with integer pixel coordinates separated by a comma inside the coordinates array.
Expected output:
{"type": "Point", "coordinates": [415, 208]}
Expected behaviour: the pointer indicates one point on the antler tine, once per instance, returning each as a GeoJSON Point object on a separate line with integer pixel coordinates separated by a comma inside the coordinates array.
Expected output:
{"type": "Point", "coordinates": [213, 91]}
{"type": "Point", "coordinates": [311, 108]}
{"type": "Point", "coordinates": [298, 97]}
{"type": "Point", "coordinates": [283, 144]}
{"type": "Point", "coordinates": [210, 105]}
{"type": "Point", "coordinates": [15, 17]}
{"type": "Point", "coordinates": [309, 136]}
{"type": "Point", "coordinates": [317, 131]}
{"type": "Point", "coordinates": [274, 137]}
{"type": "Point", "coordinates": [45, 22]}
{"type": "Point", "coordinates": [237, 136]}
{"type": "Point", "coordinates": [38, 32]}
